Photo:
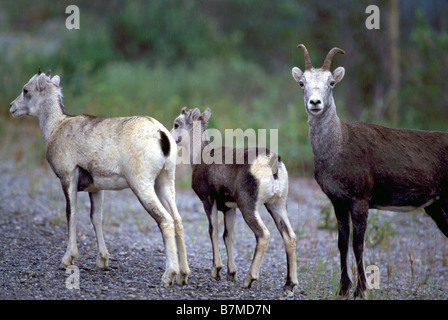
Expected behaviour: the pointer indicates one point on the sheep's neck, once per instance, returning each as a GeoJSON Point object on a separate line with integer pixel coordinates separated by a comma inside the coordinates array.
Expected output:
{"type": "Point", "coordinates": [325, 134]}
{"type": "Point", "coordinates": [50, 116]}
{"type": "Point", "coordinates": [198, 141]}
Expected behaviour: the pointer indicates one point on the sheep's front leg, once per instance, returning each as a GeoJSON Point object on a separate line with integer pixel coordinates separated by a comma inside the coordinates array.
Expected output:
{"type": "Point", "coordinates": [343, 217]}
{"type": "Point", "coordinates": [96, 216]}
{"type": "Point", "coordinates": [212, 214]}
{"type": "Point", "coordinates": [229, 223]}
{"type": "Point", "coordinates": [70, 188]}
{"type": "Point", "coordinates": [359, 214]}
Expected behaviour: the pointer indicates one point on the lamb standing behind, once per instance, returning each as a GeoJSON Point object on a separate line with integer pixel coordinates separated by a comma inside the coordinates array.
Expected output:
{"type": "Point", "coordinates": [224, 187]}
{"type": "Point", "coordinates": [93, 154]}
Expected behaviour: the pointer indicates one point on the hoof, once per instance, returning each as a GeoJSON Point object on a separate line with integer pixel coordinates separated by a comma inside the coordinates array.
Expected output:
{"type": "Point", "coordinates": [360, 293]}
{"type": "Point", "coordinates": [344, 291]}
{"type": "Point", "coordinates": [182, 279]}
{"type": "Point", "coordinates": [247, 283]}
{"type": "Point", "coordinates": [62, 266]}
{"type": "Point", "coordinates": [216, 273]}
{"type": "Point", "coordinates": [342, 297]}
{"type": "Point", "coordinates": [288, 293]}
{"type": "Point", "coordinates": [103, 268]}
{"type": "Point", "coordinates": [66, 261]}
{"type": "Point", "coordinates": [166, 283]}
{"type": "Point", "coordinates": [102, 261]}
{"type": "Point", "coordinates": [168, 278]}
{"type": "Point", "coordinates": [231, 276]}
{"type": "Point", "coordinates": [289, 287]}
{"type": "Point", "coordinates": [102, 264]}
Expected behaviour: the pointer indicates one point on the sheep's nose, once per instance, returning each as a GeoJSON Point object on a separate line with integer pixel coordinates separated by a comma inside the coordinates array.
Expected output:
{"type": "Point", "coordinates": [315, 102]}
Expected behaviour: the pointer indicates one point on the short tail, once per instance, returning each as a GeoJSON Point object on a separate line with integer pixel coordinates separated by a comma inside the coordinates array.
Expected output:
{"type": "Point", "coordinates": [273, 163]}
{"type": "Point", "coordinates": [165, 143]}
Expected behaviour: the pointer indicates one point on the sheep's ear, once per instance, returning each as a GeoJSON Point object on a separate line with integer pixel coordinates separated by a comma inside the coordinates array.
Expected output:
{"type": "Point", "coordinates": [297, 74]}
{"type": "Point", "coordinates": [206, 115]}
{"type": "Point", "coordinates": [56, 80]}
{"type": "Point", "coordinates": [194, 114]}
{"type": "Point", "coordinates": [41, 82]}
{"type": "Point", "coordinates": [338, 74]}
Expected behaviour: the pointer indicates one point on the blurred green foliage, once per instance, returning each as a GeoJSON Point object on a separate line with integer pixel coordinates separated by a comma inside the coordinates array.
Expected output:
{"type": "Point", "coordinates": [425, 91]}
{"type": "Point", "coordinates": [233, 56]}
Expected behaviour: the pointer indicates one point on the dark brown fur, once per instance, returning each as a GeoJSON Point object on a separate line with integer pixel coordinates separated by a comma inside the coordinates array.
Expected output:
{"type": "Point", "coordinates": [361, 165]}
{"type": "Point", "coordinates": [239, 184]}
{"type": "Point", "coordinates": [382, 167]}
{"type": "Point", "coordinates": [389, 167]}
{"type": "Point", "coordinates": [225, 184]}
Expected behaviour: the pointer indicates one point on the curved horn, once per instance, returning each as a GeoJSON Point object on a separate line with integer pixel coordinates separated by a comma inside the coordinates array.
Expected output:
{"type": "Point", "coordinates": [48, 73]}
{"type": "Point", "coordinates": [308, 65]}
{"type": "Point", "coordinates": [39, 72]}
{"type": "Point", "coordinates": [327, 62]}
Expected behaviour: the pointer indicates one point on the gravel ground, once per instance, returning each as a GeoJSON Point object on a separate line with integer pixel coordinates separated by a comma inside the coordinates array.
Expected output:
{"type": "Point", "coordinates": [410, 252]}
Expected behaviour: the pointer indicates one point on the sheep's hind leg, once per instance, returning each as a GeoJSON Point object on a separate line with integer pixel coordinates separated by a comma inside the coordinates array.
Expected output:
{"type": "Point", "coordinates": [96, 217]}
{"type": "Point", "coordinates": [438, 212]}
{"type": "Point", "coordinates": [148, 198]}
{"type": "Point", "coordinates": [229, 223]}
{"type": "Point", "coordinates": [253, 220]}
{"type": "Point", "coordinates": [359, 213]}
{"type": "Point", "coordinates": [166, 193]}
{"type": "Point", "coordinates": [212, 215]}
{"type": "Point", "coordinates": [279, 214]}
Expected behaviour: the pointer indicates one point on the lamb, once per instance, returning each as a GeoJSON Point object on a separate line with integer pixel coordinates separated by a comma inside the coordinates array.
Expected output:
{"type": "Point", "coordinates": [362, 165]}
{"type": "Point", "coordinates": [93, 154]}
{"type": "Point", "coordinates": [246, 186]}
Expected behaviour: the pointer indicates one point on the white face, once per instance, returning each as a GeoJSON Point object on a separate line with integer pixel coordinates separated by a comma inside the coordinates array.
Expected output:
{"type": "Point", "coordinates": [22, 105]}
{"type": "Point", "coordinates": [184, 124]}
{"type": "Point", "coordinates": [27, 103]}
{"type": "Point", "coordinates": [317, 86]}
{"type": "Point", "coordinates": [180, 128]}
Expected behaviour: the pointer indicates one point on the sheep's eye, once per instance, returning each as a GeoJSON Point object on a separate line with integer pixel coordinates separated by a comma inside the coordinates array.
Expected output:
{"type": "Point", "coordinates": [176, 126]}
{"type": "Point", "coordinates": [332, 83]}
{"type": "Point", "coordinates": [25, 91]}
{"type": "Point", "coordinates": [301, 84]}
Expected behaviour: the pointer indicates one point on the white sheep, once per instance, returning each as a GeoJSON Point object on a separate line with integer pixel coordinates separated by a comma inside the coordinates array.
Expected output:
{"type": "Point", "coordinates": [92, 154]}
